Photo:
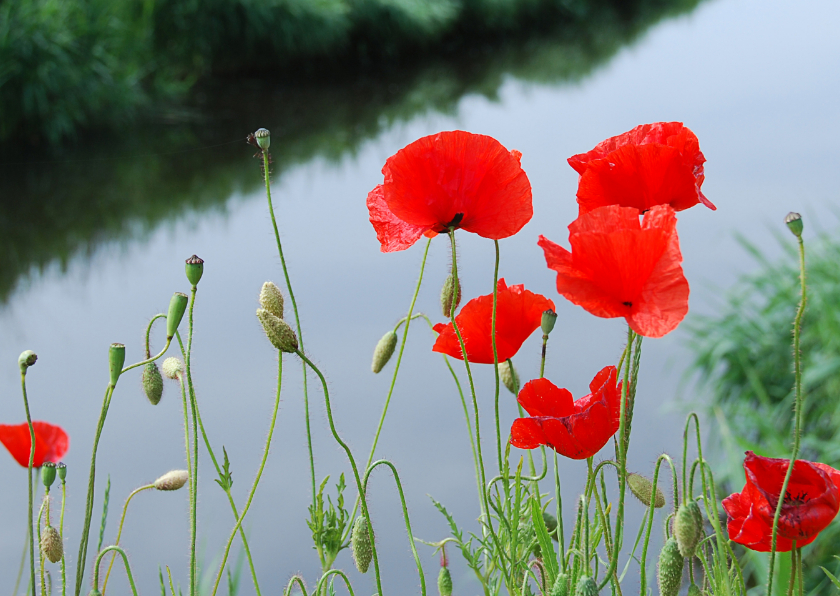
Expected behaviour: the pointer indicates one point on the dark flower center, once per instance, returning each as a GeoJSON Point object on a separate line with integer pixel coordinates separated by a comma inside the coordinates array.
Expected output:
{"type": "Point", "coordinates": [628, 303]}
{"type": "Point", "coordinates": [795, 500]}
{"type": "Point", "coordinates": [455, 223]}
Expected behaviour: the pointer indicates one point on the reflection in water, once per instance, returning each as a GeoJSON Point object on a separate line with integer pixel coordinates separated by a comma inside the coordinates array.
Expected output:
{"type": "Point", "coordinates": [125, 186]}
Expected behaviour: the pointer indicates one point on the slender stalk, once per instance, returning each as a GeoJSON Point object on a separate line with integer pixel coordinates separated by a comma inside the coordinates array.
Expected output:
{"type": "Point", "coordinates": [643, 564]}
{"type": "Point", "coordinates": [792, 581]}
{"type": "Point", "coordinates": [61, 533]}
{"type": "Point", "coordinates": [125, 561]}
{"type": "Point", "coordinates": [798, 408]}
{"type": "Point", "coordinates": [496, 358]}
{"type": "Point", "coordinates": [559, 511]}
{"type": "Point", "coordinates": [22, 563]}
{"type": "Point", "coordinates": [29, 472]}
{"type": "Point", "coordinates": [799, 569]}
{"type": "Point", "coordinates": [542, 358]}
{"type": "Point", "coordinates": [194, 471]}
{"type": "Point", "coordinates": [119, 531]}
{"type": "Point", "coordinates": [44, 504]}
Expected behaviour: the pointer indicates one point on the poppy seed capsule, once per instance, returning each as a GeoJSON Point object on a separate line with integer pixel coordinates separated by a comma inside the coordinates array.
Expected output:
{"type": "Point", "coordinates": [360, 542]}
{"type": "Point", "coordinates": [61, 468]}
{"type": "Point", "coordinates": [47, 474]}
{"type": "Point", "coordinates": [509, 376]}
{"type": "Point", "coordinates": [194, 269]}
{"type": "Point", "coordinates": [172, 367]}
{"type": "Point", "coordinates": [383, 351]}
{"type": "Point", "coordinates": [26, 359]}
{"type": "Point", "coordinates": [263, 138]}
{"type": "Point", "coordinates": [278, 331]}
{"type": "Point", "coordinates": [177, 308]}
{"type": "Point", "coordinates": [688, 528]}
{"type": "Point", "coordinates": [152, 383]}
{"type": "Point", "coordinates": [694, 590]}
{"type": "Point", "coordinates": [549, 318]}
{"type": "Point", "coordinates": [51, 545]}
{"type": "Point", "coordinates": [794, 223]}
{"type": "Point", "coordinates": [561, 585]}
{"type": "Point", "coordinates": [669, 569]}
{"type": "Point", "coordinates": [445, 582]}
{"type": "Point", "coordinates": [642, 488]}
{"type": "Point", "coordinates": [446, 295]}
{"type": "Point", "coordinates": [586, 587]}
{"type": "Point", "coordinates": [116, 360]}
{"type": "Point", "coordinates": [271, 299]}
{"type": "Point", "coordinates": [172, 480]}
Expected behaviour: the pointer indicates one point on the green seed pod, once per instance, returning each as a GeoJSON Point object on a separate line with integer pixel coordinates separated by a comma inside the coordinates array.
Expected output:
{"type": "Point", "coordinates": [172, 367]}
{"type": "Point", "coordinates": [641, 488]}
{"type": "Point", "coordinates": [694, 590]}
{"type": "Point", "coordinates": [152, 383]}
{"type": "Point", "coordinates": [61, 468]}
{"type": "Point", "coordinates": [195, 269]}
{"type": "Point", "coordinates": [271, 299]}
{"type": "Point", "coordinates": [177, 308]}
{"type": "Point", "coordinates": [686, 529]}
{"type": "Point", "coordinates": [278, 331]}
{"type": "Point", "coordinates": [383, 351]}
{"type": "Point", "coordinates": [794, 223]}
{"type": "Point", "coordinates": [263, 138]}
{"type": "Point", "coordinates": [48, 473]}
{"type": "Point", "coordinates": [95, 592]}
{"type": "Point", "coordinates": [172, 480]}
{"type": "Point", "coordinates": [360, 544]}
{"type": "Point", "coordinates": [669, 570]}
{"type": "Point", "coordinates": [550, 525]}
{"type": "Point", "coordinates": [586, 587]}
{"type": "Point", "coordinates": [26, 359]}
{"type": "Point", "coordinates": [445, 582]}
{"type": "Point", "coordinates": [446, 295]}
{"type": "Point", "coordinates": [509, 376]}
{"type": "Point", "coordinates": [51, 545]}
{"type": "Point", "coordinates": [561, 585]}
{"type": "Point", "coordinates": [116, 360]}
{"type": "Point", "coordinates": [549, 318]}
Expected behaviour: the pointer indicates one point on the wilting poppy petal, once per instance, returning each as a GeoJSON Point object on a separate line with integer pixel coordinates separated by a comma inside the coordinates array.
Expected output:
{"type": "Point", "coordinates": [576, 429]}
{"type": "Point", "coordinates": [51, 442]}
{"type": "Point", "coordinates": [518, 314]}
{"type": "Point", "coordinates": [619, 268]}
{"type": "Point", "coordinates": [451, 179]}
{"type": "Point", "coordinates": [653, 164]}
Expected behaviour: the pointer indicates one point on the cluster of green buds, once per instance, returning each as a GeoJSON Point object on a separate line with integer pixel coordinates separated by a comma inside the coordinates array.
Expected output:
{"type": "Point", "coordinates": [360, 544]}
{"type": "Point", "coordinates": [278, 331]}
{"type": "Point", "coordinates": [52, 547]}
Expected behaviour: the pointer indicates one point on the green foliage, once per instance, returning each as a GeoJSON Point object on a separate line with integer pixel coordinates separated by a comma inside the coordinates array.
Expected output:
{"type": "Point", "coordinates": [328, 523]}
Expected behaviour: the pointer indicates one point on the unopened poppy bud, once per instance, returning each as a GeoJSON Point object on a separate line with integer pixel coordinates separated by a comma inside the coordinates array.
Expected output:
{"type": "Point", "coordinates": [694, 590]}
{"type": "Point", "coordinates": [172, 480]}
{"type": "Point", "coordinates": [586, 587]}
{"type": "Point", "coordinates": [669, 569]}
{"type": "Point", "coordinates": [509, 376]}
{"type": "Point", "coordinates": [383, 351]}
{"type": "Point", "coordinates": [278, 331]}
{"type": "Point", "coordinates": [360, 543]}
{"type": "Point", "coordinates": [551, 525]}
{"type": "Point", "coordinates": [172, 367]}
{"type": "Point", "coordinates": [561, 585]}
{"type": "Point", "coordinates": [688, 528]}
{"type": "Point", "coordinates": [194, 269]}
{"type": "Point", "coordinates": [51, 545]}
{"type": "Point", "coordinates": [794, 223]}
{"type": "Point", "coordinates": [263, 138]}
{"type": "Point", "coordinates": [271, 299]}
{"type": "Point", "coordinates": [116, 360]}
{"type": "Point", "coordinates": [177, 308]}
{"type": "Point", "coordinates": [446, 294]}
{"type": "Point", "coordinates": [549, 318]}
{"type": "Point", "coordinates": [444, 582]}
{"type": "Point", "coordinates": [26, 359]}
{"type": "Point", "coordinates": [47, 473]}
{"type": "Point", "coordinates": [61, 468]}
{"type": "Point", "coordinates": [642, 488]}
{"type": "Point", "coordinates": [152, 383]}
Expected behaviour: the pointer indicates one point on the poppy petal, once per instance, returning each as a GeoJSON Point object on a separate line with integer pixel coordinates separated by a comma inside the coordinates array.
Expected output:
{"type": "Point", "coordinates": [526, 433]}
{"type": "Point", "coordinates": [541, 397]}
{"type": "Point", "coordinates": [392, 232]}
{"type": "Point", "coordinates": [51, 442]}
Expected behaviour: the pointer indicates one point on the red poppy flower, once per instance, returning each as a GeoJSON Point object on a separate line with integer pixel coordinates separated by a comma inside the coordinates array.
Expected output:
{"type": "Point", "coordinates": [576, 429]}
{"type": "Point", "coordinates": [450, 179]}
{"type": "Point", "coordinates": [810, 503]}
{"type": "Point", "coordinates": [620, 268]}
{"type": "Point", "coordinates": [51, 442]}
{"type": "Point", "coordinates": [653, 164]}
{"type": "Point", "coordinates": [518, 314]}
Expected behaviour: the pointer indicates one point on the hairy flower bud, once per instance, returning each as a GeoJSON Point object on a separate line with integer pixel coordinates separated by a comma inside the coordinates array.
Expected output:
{"type": "Point", "coordinates": [549, 318]}
{"type": "Point", "coordinates": [278, 331]}
{"type": "Point", "coordinates": [551, 525]}
{"type": "Point", "coordinates": [360, 544]}
{"type": "Point", "coordinates": [194, 269]}
{"type": "Point", "coordinates": [642, 488]}
{"type": "Point", "coordinates": [561, 585]}
{"type": "Point", "coordinates": [263, 138]}
{"type": "Point", "coordinates": [446, 295]}
{"type": "Point", "coordinates": [688, 528]}
{"type": "Point", "coordinates": [152, 383]}
{"type": "Point", "coordinates": [586, 587]}
{"type": "Point", "coordinates": [26, 359]}
{"type": "Point", "coordinates": [177, 308]}
{"type": "Point", "coordinates": [172, 367]}
{"type": "Point", "coordinates": [383, 351]}
{"type": "Point", "coordinates": [51, 545]}
{"type": "Point", "coordinates": [271, 299]}
{"type": "Point", "coordinates": [47, 473]}
{"type": "Point", "coordinates": [116, 360]}
{"type": "Point", "coordinates": [669, 570]}
{"type": "Point", "coordinates": [172, 480]}
{"type": "Point", "coordinates": [445, 582]}
{"type": "Point", "coordinates": [794, 223]}
{"type": "Point", "coordinates": [509, 376]}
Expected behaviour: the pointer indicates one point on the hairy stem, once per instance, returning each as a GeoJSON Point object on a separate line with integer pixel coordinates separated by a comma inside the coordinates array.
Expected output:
{"type": "Point", "coordinates": [119, 531]}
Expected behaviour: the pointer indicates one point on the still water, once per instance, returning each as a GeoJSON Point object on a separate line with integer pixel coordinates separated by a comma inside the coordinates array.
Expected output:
{"type": "Point", "coordinates": [756, 81]}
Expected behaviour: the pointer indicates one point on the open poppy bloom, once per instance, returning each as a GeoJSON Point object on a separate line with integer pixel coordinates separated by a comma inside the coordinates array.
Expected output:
{"type": "Point", "coordinates": [450, 179]}
{"type": "Point", "coordinates": [810, 503]}
{"type": "Point", "coordinates": [621, 268]}
{"type": "Point", "coordinates": [51, 442]}
{"type": "Point", "coordinates": [653, 164]}
{"type": "Point", "coordinates": [518, 314]}
{"type": "Point", "coordinates": [576, 429]}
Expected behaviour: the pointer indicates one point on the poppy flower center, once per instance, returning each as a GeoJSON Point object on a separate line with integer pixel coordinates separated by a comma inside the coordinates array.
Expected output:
{"type": "Point", "coordinates": [627, 303]}
{"type": "Point", "coordinates": [455, 223]}
{"type": "Point", "coordinates": [795, 500]}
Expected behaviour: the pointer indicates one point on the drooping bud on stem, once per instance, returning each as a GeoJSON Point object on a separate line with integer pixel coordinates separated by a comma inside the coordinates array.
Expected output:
{"type": "Point", "coordinates": [360, 543]}
{"type": "Point", "coordinates": [586, 587]}
{"type": "Point", "coordinates": [794, 223]}
{"type": "Point", "coordinates": [263, 138]}
{"type": "Point", "coordinates": [642, 489]}
{"type": "Point", "coordinates": [26, 359]}
{"type": "Point", "coordinates": [51, 545]}
{"type": "Point", "coordinates": [116, 360]}
{"type": "Point", "coordinates": [177, 308]}
{"type": "Point", "coordinates": [549, 318]}
{"type": "Point", "coordinates": [172, 480]}
{"type": "Point", "coordinates": [669, 570]}
{"type": "Point", "coordinates": [383, 351]}
{"type": "Point", "coordinates": [278, 331]}
{"type": "Point", "coordinates": [47, 473]}
{"type": "Point", "coordinates": [172, 367]}
{"type": "Point", "coordinates": [509, 376]}
{"type": "Point", "coordinates": [447, 293]}
{"type": "Point", "coordinates": [444, 582]}
{"type": "Point", "coordinates": [561, 585]}
{"type": "Point", "coordinates": [152, 383]}
{"type": "Point", "coordinates": [688, 528]}
{"type": "Point", "coordinates": [271, 299]}
{"type": "Point", "coordinates": [194, 269]}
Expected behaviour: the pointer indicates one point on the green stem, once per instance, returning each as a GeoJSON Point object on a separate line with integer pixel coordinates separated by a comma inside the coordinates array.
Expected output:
{"type": "Point", "coordinates": [44, 503]}
{"type": "Point", "coordinates": [792, 581]}
{"type": "Point", "coordinates": [29, 472]}
{"type": "Point", "coordinates": [797, 425]}
{"type": "Point", "coordinates": [663, 457]}
{"type": "Point", "coordinates": [296, 579]}
{"type": "Point", "coordinates": [119, 532]}
{"type": "Point", "coordinates": [22, 563]}
{"type": "Point", "coordinates": [322, 582]}
{"type": "Point", "coordinates": [125, 562]}
{"type": "Point", "coordinates": [148, 334]}
{"type": "Point", "coordinates": [542, 358]}
{"type": "Point", "coordinates": [799, 569]}
{"type": "Point", "coordinates": [194, 471]}
{"type": "Point", "coordinates": [559, 510]}
{"type": "Point", "coordinates": [496, 358]}
{"type": "Point", "coordinates": [61, 533]}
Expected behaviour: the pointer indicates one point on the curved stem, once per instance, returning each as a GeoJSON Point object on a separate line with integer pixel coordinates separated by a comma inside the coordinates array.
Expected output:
{"type": "Point", "coordinates": [147, 360]}
{"type": "Point", "coordinates": [29, 473]}
{"type": "Point", "coordinates": [148, 334]}
{"type": "Point", "coordinates": [327, 575]}
{"type": "Point", "coordinates": [119, 531]}
{"type": "Point", "coordinates": [125, 562]}
{"type": "Point", "coordinates": [663, 457]}
{"type": "Point", "coordinates": [296, 579]}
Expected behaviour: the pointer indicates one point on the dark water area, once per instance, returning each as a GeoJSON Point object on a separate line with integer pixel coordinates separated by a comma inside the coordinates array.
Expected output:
{"type": "Point", "coordinates": [92, 244]}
